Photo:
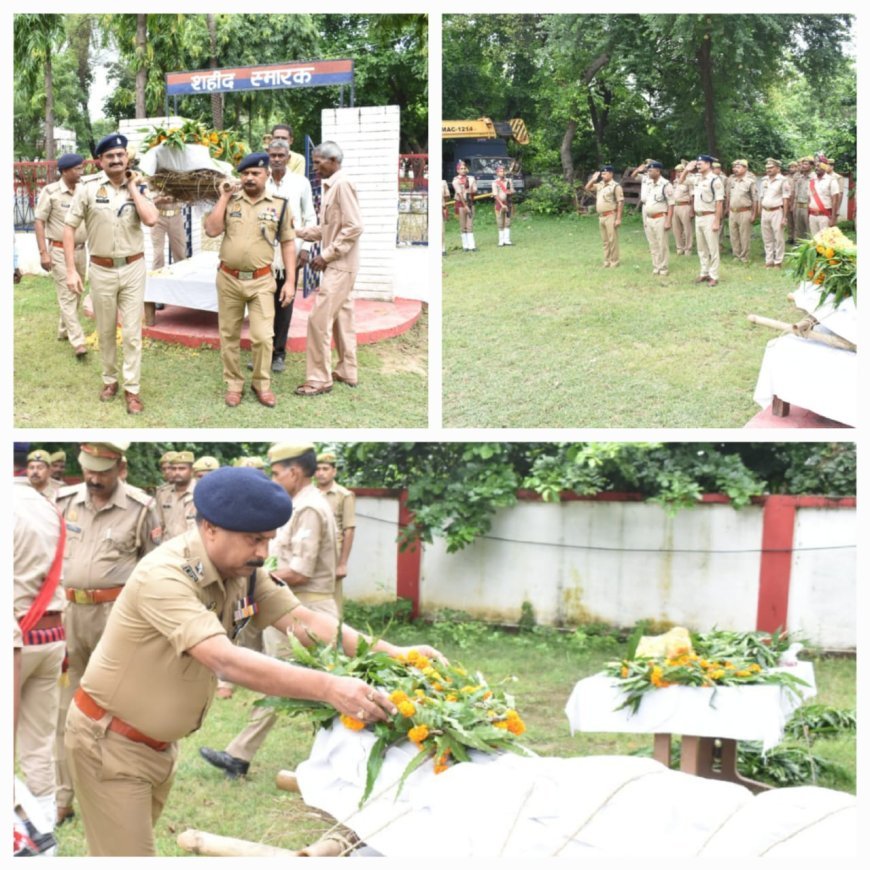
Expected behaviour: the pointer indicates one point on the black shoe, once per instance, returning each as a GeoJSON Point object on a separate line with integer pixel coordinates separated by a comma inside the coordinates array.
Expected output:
{"type": "Point", "coordinates": [278, 364]}
{"type": "Point", "coordinates": [234, 767]}
{"type": "Point", "coordinates": [250, 365]}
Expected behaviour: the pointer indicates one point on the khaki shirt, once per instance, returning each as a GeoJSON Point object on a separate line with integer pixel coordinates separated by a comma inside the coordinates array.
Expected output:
{"type": "Point", "coordinates": [801, 188]}
{"type": "Point", "coordinates": [774, 191]}
{"type": "Point", "coordinates": [52, 207]}
{"type": "Point", "coordinates": [103, 546]}
{"type": "Point", "coordinates": [308, 543]}
{"type": "Point", "coordinates": [34, 545]}
{"type": "Point", "coordinates": [742, 192]}
{"type": "Point", "coordinates": [463, 187]}
{"type": "Point", "coordinates": [343, 504]}
{"type": "Point", "coordinates": [500, 196]}
{"type": "Point", "coordinates": [657, 195]}
{"type": "Point", "coordinates": [175, 510]}
{"type": "Point", "coordinates": [842, 182]}
{"type": "Point", "coordinates": [682, 192]}
{"type": "Point", "coordinates": [706, 191]}
{"type": "Point", "coordinates": [175, 599]}
{"type": "Point", "coordinates": [607, 195]}
{"type": "Point", "coordinates": [340, 224]}
{"type": "Point", "coordinates": [110, 217]}
{"type": "Point", "coordinates": [251, 230]}
{"type": "Point", "coordinates": [825, 188]}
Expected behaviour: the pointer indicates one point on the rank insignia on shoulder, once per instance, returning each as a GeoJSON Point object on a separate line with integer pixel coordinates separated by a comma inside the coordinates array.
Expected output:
{"type": "Point", "coordinates": [195, 572]}
{"type": "Point", "coordinates": [278, 581]}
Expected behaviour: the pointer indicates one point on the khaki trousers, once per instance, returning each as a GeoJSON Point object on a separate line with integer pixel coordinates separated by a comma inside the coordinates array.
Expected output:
{"type": "Point", "coordinates": [772, 234]}
{"type": "Point", "coordinates": [466, 220]}
{"type": "Point", "coordinates": [259, 297]}
{"type": "Point", "coordinates": [818, 223]}
{"type": "Point", "coordinates": [332, 315]}
{"type": "Point", "coordinates": [502, 218]}
{"type": "Point", "coordinates": [801, 221]}
{"type": "Point", "coordinates": [174, 228]}
{"type": "Point", "coordinates": [122, 786]}
{"type": "Point", "coordinates": [68, 324]}
{"type": "Point", "coordinates": [248, 741]}
{"type": "Point", "coordinates": [84, 625]}
{"type": "Point", "coordinates": [740, 230]}
{"type": "Point", "coordinates": [37, 715]}
{"type": "Point", "coordinates": [609, 238]}
{"type": "Point", "coordinates": [654, 227]}
{"type": "Point", "coordinates": [119, 292]}
{"type": "Point", "coordinates": [708, 245]}
{"type": "Point", "coordinates": [682, 227]}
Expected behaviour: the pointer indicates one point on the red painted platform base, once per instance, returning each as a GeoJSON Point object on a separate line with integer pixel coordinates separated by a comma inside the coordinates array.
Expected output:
{"type": "Point", "coordinates": [797, 418]}
{"type": "Point", "coordinates": [375, 321]}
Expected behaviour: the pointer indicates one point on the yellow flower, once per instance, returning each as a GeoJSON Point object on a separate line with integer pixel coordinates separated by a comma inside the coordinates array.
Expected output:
{"type": "Point", "coordinates": [407, 709]}
{"type": "Point", "coordinates": [418, 734]}
{"type": "Point", "coordinates": [624, 672]}
{"type": "Point", "coordinates": [398, 696]}
{"type": "Point", "coordinates": [413, 655]}
{"type": "Point", "coordinates": [516, 726]}
{"type": "Point", "coordinates": [501, 724]}
{"type": "Point", "coordinates": [353, 724]}
{"type": "Point", "coordinates": [453, 697]}
{"type": "Point", "coordinates": [442, 762]}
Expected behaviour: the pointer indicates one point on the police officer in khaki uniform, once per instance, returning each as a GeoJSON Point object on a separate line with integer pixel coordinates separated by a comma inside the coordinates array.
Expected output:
{"type": "Point", "coordinates": [110, 525]}
{"type": "Point", "coordinates": [464, 191]}
{"type": "Point", "coordinates": [204, 465]}
{"type": "Point", "coordinates": [801, 194]}
{"type": "Point", "coordinates": [169, 634]}
{"type": "Point", "coordinates": [253, 221]}
{"type": "Point", "coordinates": [170, 223]}
{"type": "Point", "coordinates": [175, 509]}
{"type": "Point", "coordinates": [775, 195]}
{"type": "Point", "coordinates": [51, 210]}
{"type": "Point", "coordinates": [445, 214]}
{"type": "Point", "coordinates": [58, 465]}
{"type": "Point", "coordinates": [609, 201]}
{"type": "Point", "coordinates": [39, 474]}
{"type": "Point", "coordinates": [823, 197]}
{"type": "Point", "coordinates": [741, 205]}
{"type": "Point", "coordinates": [343, 504]}
{"type": "Point", "coordinates": [503, 195]}
{"type": "Point", "coordinates": [683, 213]}
{"type": "Point", "coordinates": [38, 604]}
{"type": "Point", "coordinates": [113, 206]}
{"type": "Point", "coordinates": [842, 187]}
{"type": "Point", "coordinates": [306, 551]}
{"type": "Point", "coordinates": [708, 203]}
{"type": "Point", "coordinates": [657, 197]}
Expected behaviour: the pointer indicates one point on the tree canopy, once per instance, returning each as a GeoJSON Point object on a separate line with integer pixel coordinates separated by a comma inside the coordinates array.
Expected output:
{"type": "Point", "coordinates": [389, 53]}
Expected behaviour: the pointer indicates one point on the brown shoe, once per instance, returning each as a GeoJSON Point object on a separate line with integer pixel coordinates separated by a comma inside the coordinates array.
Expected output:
{"type": "Point", "coordinates": [109, 392]}
{"type": "Point", "coordinates": [265, 397]}
{"type": "Point", "coordinates": [712, 282]}
{"type": "Point", "coordinates": [337, 377]}
{"type": "Point", "coordinates": [702, 279]}
{"type": "Point", "coordinates": [233, 399]}
{"type": "Point", "coordinates": [134, 403]}
{"type": "Point", "coordinates": [81, 353]}
{"type": "Point", "coordinates": [64, 814]}
{"type": "Point", "coordinates": [312, 390]}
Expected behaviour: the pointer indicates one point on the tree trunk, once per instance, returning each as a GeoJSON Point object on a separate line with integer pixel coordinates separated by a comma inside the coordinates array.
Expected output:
{"type": "Point", "coordinates": [705, 68]}
{"type": "Point", "coordinates": [217, 100]}
{"type": "Point", "coordinates": [141, 68]}
{"type": "Point", "coordinates": [50, 147]}
{"type": "Point", "coordinates": [565, 152]}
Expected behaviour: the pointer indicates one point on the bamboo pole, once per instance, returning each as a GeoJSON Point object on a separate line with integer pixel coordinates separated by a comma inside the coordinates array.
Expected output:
{"type": "Point", "coordinates": [793, 328]}
{"type": "Point", "coordinates": [286, 780]}
{"type": "Point", "coordinates": [214, 845]}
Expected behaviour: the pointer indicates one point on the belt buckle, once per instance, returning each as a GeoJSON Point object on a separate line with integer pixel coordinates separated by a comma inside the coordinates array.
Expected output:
{"type": "Point", "coordinates": [246, 276]}
{"type": "Point", "coordinates": [81, 596]}
{"type": "Point", "coordinates": [117, 262]}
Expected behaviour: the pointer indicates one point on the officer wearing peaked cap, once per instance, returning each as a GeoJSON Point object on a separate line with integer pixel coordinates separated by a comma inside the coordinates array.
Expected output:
{"type": "Point", "coordinates": [609, 201]}
{"type": "Point", "coordinates": [170, 634]}
{"type": "Point", "coordinates": [708, 204]}
{"type": "Point", "coordinates": [775, 196]}
{"type": "Point", "coordinates": [39, 474]}
{"type": "Point", "coordinates": [254, 221]}
{"type": "Point", "coordinates": [204, 465]}
{"type": "Point", "coordinates": [343, 504]}
{"type": "Point", "coordinates": [175, 503]}
{"type": "Point", "coordinates": [113, 205]}
{"type": "Point", "coordinates": [58, 464]}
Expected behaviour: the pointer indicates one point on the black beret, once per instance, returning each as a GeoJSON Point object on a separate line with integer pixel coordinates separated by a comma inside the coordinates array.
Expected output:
{"type": "Point", "coordinates": [656, 164]}
{"type": "Point", "coordinates": [68, 161]}
{"type": "Point", "coordinates": [113, 140]}
{"type": "Point", "coordinates": [706, 158]}
{"type": "Point", "coordinates": [257, 160]}
{"type": "Point", "coordinates": [608, 167]}
{"type": "Point", "coordinates": [242, 500]}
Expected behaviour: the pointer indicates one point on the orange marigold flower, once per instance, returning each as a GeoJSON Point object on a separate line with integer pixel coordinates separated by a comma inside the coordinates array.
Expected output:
{"type": "Point", "coordinates": [353, 724]}
{"type": "Point", "coordinates": [418, 734]}
{"type": "Point", "coordinates": [624, 672]}
{"type": "Point", "coordinates": [421, 662]}
{"type": "Point", "coordinates": [407, 709]}
{"type": "Point", "coordinates": [501, 724]}
{"type": "Point", "coordinates": [398, 696]}
{"type": "Point", "coordinates": [516, 726]}
{"type": "Point", "coordinates": [442, 762]}
{"type": "Point", "coordinates": [487, 695]}
{"type": "Point", "coordinates": [453, 697]}
{"type": "Point", "coordinates": [413, 655]}
{"type": "Point", "coordinates": [437, 687]}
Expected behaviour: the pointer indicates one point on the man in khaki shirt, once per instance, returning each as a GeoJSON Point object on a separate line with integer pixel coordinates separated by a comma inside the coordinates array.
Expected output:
{"type": "Point", "coordinates": [175, 507]}
{"type": "Point", "coordinates": [110, 526]}
{"type": "Point", "coordinates": [254, 221]}
{"type": "Point", "coordinates": [775, 195]}
{"type": "Point", "coordinates": [113, 205]}
{"type": "Point", "coordinates": [657, 196]}
{"type": "Point", "coordinates": [708, 205]}
{"type": "Point", "coordinates": [741, 205]}
{"type": "Point", "coordinates": [343, 504]}
{"type": "Point", "coordinates": [39, 474]}
{"type": "Point", "coordinates": [801, 194]}
{"type": "Point", "coordinates": [152, 679]}
{"type": "Point", "coordinates": [51, 209]}
{"type": "Point", "coordinates": [609, 201]}
{"type": "Point", "coordinates": [338, 262]}
{"type": "Point", "coordinates": [683, 213]}
{"type": "Point", "coordinates": [58, 465]}
{"type": "Point", "coordinates": [464, 191]}
{"type": "Point", "coordinates": [306, 551]}
{"type": "Point", "coordinates": [824, 193]}
{"type": "Point", "coordinates": [38, 604]}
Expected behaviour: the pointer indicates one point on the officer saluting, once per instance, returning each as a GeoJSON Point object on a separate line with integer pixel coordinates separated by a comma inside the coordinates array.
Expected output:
{"type": "Point", "coordinates": [152, 679]}
{"type": "Point", "coordinates": [113, 205]}
{"type": "Point", "coordinates": [253, 221]}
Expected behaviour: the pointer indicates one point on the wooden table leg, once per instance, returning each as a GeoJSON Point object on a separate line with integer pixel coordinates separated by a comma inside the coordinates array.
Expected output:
{"type": "Point", "coordinates": [779, 407]}
{"type": "Point", "coordinates": [662, 749]}
{"type": "Point", "coordinates": [714, 758]}
{"type": "Point", "coordinates": [150, 313]}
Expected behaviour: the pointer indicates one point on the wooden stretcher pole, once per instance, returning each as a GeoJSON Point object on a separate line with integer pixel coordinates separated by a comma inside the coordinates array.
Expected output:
{"type": "Point", "coordinates": [824, 338]}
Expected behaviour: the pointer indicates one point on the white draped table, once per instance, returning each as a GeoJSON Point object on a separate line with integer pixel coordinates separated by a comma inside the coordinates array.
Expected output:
{"type": "Point", "coordinates": [189, 283]}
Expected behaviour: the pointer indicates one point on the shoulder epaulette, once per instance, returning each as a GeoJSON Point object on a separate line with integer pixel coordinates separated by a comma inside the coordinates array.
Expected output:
{"type": "Point", "coordinates": [138, 495]}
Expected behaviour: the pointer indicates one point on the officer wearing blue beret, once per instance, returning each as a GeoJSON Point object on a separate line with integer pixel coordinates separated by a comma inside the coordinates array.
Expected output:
{"type": "Point", "coordinates": [708, 192]}
{"type": "Point", "coordinates": [254, 221]}
{"type": "Point", "coordinates": [113, 205]}
{"type": "Point", "coordinates": [609, 201]}
{"type": "Point", "coordinates": [52, 207]}
{"type": "Point", "coordinates": [170, 633]}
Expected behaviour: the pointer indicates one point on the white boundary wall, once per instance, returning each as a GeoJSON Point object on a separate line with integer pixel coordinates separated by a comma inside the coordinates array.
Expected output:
{"type": "Point", "coordinates": [369, 138]}
{"type": "Point", "coordinates": [589, 565]}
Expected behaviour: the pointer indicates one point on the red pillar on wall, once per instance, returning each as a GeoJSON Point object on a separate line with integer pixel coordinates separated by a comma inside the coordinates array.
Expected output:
{"type": "Point", "coordinates": [777, 538]}
{"type": "Point", "coordinates": [408, 560]}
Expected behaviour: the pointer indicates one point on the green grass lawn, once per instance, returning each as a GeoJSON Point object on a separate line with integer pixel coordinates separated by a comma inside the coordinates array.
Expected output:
{"type": "Point", "coordinates": [540, 335]}
{"type": "Point", "coordinates": [183, 387]}
{"type": "Point", "coordinates": [541, 668]}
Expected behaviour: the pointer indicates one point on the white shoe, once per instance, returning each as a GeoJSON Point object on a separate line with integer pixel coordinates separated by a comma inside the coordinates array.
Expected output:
{"type": "Point", "coordinates": [471, 245]}
{"type": "Point", "coordinates": [507, 237]}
